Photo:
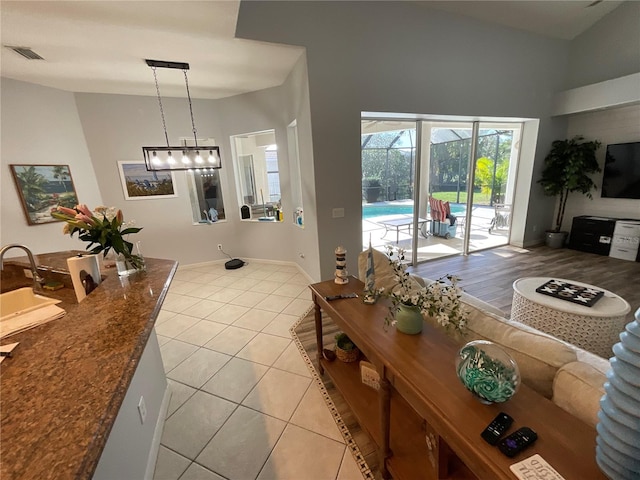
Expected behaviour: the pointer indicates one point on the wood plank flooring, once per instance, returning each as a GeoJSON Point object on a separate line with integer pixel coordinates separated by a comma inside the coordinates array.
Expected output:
{"type": "Point", "coordinates": [489, 274]}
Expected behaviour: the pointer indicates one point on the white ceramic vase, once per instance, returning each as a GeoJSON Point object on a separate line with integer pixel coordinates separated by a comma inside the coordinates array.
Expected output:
{"type": "Point", "coordinates": [618, 440]}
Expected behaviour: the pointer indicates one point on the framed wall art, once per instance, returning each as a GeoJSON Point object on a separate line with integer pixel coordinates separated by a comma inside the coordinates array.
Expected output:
{"type": "Point", "coordinates": [43, 187]}
{"type": "Point", "coordinates": [140, 184]}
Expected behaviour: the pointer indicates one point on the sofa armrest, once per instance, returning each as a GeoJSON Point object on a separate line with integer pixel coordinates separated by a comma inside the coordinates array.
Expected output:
{"type": "Point", "coordinates": [578, 388]}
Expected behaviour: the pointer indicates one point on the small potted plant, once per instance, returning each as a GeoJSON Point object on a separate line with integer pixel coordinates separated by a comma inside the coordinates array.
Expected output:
{"type": "Point", "coordinates": [440, 300]}
{"type": "Point", "coordinates": [346, 350]}
{"type": "Point", "coordinates": [567, 169]}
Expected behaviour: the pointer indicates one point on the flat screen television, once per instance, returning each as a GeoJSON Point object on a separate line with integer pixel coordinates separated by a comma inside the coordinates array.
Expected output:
{"type": "Point", "coordinates": [621, 177]}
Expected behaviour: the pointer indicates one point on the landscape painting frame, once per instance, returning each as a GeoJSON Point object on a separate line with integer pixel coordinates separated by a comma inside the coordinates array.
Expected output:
{"type": "Point", "coordinates": [42, 188]}
{"type": "Point", "coordinates": [140, 184]}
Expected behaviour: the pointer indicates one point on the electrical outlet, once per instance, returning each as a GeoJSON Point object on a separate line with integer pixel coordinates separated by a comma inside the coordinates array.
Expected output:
{"type": "Point", "coordinates": [220, 246]}
{"type": "Point", "coordinates": [142, 410]}
{"type": "Point", "coordinates": [28, 273]}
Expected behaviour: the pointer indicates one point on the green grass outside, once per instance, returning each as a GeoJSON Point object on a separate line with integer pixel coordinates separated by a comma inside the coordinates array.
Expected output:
{"type": "Point", "coordinates": [452, 197]}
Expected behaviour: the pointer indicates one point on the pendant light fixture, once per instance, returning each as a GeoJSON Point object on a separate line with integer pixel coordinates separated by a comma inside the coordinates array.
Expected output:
{"type": "Point", "coordinates": [201, 158]}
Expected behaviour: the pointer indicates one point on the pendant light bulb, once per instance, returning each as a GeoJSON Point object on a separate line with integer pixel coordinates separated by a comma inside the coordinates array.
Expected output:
{"type": "Point", "coordinates": [155, 159]}
{"type": "Point", "coordinates": [185, 158]}
{"type": "Point", "coordinates": [198, 157]}
{"type": "Point", "coordinates": [170, 158]}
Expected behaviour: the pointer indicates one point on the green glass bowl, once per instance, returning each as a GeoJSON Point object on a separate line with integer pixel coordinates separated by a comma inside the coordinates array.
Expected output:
{"type": "Point", "coordinates": [487, 371]}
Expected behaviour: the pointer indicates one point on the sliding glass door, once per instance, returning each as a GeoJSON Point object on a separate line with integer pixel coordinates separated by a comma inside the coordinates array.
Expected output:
{"type": "Point", "coordinates": [388, 183]}
{"type": "Point", "coordinates": [496, 159]}
{"type": "Point", "coordinates": [438, 188]}
{"type": "Point", "coordinates": [444, 177]}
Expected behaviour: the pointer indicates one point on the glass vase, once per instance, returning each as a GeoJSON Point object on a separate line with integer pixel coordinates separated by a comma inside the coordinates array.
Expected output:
{"type": "Point", "coordinates": [487, 371]}
{"type": "Point", "coordinates": [132, 263]}
{"type": "Point", "coordinates": [408, 319]}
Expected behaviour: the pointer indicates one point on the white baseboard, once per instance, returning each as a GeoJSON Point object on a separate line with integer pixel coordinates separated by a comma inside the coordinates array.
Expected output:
{"type": "Point", "coordinates": [157, 435]}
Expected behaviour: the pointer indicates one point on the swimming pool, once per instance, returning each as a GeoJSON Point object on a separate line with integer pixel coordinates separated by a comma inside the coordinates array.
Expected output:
{"type": "Point", "coordinates": [380, 210]}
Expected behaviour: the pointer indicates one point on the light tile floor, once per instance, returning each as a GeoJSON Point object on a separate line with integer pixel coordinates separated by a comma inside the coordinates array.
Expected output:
{"type": "Point", "coordinates": [244, 405]}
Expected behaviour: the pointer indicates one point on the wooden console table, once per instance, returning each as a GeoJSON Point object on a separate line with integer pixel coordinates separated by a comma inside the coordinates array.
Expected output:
{"type": "Point", "coordinates": [425, 423]}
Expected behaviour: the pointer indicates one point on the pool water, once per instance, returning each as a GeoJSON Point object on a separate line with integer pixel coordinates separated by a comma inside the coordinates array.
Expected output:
{"type": "Point", "coordinates": [369, 211]}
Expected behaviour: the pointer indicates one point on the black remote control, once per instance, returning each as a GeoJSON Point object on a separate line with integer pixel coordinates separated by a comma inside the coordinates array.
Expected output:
{"type": "Point", "coordinates": [496, 428]}
{"type": "Point", "coordinates": [517, 441]}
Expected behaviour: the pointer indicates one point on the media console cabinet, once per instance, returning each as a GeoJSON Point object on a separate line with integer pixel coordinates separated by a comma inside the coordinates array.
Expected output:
{"type": "Point", "coordinates": [618, 238]}
{"type": "Point", "coordinates": [425, 424]}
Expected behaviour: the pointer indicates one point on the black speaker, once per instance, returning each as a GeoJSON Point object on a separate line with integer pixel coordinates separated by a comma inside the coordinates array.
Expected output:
{"type": "Point", "coordinates": [244, 212]}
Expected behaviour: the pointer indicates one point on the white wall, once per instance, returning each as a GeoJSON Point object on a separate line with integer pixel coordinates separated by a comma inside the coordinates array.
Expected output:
{"type": "Point", "coordinates": [117, 126]}
{"type": "Point", "coordinates": [402, 57]}
{"type": "Point", "coordinates": [303, 242]}
{"type": "Point", "coordinates": [619, 125]}
{"type": "Point", "coordinates": [92, 132]}
{"type": "Point", "coordinates": [40, 125]}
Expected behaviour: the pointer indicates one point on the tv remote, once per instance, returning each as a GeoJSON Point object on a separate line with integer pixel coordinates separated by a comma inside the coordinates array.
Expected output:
{"type": "Point", "coordinates": [496, 428]}
{"type": "Point", "coordinates": [517, 441]}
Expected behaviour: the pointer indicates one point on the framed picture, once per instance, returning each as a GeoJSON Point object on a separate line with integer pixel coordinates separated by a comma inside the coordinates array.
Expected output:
{"type": "Point", "coordinates": [140, 184]}
{"type": "Point", "coordinates": [43, 187]}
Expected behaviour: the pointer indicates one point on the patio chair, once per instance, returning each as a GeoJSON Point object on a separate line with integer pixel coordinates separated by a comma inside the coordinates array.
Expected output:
{"type": "Point", "coordinates": [502, 217]}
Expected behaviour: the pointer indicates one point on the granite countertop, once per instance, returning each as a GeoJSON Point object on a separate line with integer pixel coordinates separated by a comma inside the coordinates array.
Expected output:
{"type": "Point", "coordinates": [63, 387]}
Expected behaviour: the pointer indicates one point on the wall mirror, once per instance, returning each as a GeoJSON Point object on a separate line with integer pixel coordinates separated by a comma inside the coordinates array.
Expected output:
{"type": "Point", "coordinates": [205, 189]}
{"type": "Point", "coordinates": [257, 174]}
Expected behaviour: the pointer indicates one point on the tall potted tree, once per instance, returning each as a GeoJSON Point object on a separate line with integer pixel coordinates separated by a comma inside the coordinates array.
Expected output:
{"type": "Point", "coordinates": [567, 169]}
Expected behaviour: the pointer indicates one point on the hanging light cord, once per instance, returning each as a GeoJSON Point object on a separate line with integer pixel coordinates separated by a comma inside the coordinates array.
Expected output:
{"type": "Point", "coordinates": [164, 124]}
{"type": "Point", "coordinates": [193, 123]}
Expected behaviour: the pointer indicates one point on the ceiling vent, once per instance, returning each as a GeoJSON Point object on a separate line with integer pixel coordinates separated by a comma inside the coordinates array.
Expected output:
{"type": "Point", "coordinates": [26, 52]}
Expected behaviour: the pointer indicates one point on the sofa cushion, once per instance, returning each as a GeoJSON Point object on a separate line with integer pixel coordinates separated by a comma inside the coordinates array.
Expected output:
{"type": "Point", "coordinates": [539, 356]}
{"type": "Point", "coordinates": [578, 388]}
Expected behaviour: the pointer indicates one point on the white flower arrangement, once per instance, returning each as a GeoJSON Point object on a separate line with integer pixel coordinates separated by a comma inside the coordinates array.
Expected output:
{"type": "Point", "coordinates": [439, 300]}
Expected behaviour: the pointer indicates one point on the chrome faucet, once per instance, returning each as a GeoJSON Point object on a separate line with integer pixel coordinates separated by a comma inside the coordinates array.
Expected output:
{"type": "Point", "coordinates": [37, 279]}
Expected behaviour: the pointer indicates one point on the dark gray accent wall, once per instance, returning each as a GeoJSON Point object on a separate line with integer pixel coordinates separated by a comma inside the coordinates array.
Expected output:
{"type": "Point", "coordinates": [399, 57]}
{"type": "Point", "coordinates": [610, 49]}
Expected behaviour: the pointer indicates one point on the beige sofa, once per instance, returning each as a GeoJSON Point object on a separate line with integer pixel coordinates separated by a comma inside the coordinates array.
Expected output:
{"type": "Point", "coordinates": [571, 377]}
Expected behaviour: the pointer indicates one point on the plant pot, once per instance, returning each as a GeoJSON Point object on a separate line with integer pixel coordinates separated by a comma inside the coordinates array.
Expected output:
{"type": "Point", "coordinates": [409, 319]}
{"type": "Point", "coordinates": [555, 239]}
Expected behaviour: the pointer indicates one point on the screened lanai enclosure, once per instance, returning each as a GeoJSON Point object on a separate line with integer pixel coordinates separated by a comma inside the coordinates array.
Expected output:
{"type": "Point", "coordinates": [466, 169]}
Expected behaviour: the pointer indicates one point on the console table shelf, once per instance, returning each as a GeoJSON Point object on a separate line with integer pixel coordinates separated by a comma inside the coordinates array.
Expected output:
{"type": "Point", "coordinates": [421, 398]}
{"type": "Point", "coordinates": [362, 400]}
{"type": "Point", "coordinates": [408, 443]}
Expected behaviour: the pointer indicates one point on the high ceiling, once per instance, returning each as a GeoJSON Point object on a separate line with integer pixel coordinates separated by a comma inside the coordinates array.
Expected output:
{"type": "Point", "coordinates": [100, 46]}
{"type": "Point", "coordinates": [552, 18]}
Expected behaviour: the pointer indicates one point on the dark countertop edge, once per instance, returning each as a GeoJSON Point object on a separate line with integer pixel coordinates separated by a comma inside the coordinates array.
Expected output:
{"type": "Point", "coordinates": [95, 448]}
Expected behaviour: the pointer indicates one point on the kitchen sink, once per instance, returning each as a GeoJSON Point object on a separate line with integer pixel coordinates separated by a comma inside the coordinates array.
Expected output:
{"type": "Point", "coordinates": [21, 301]}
